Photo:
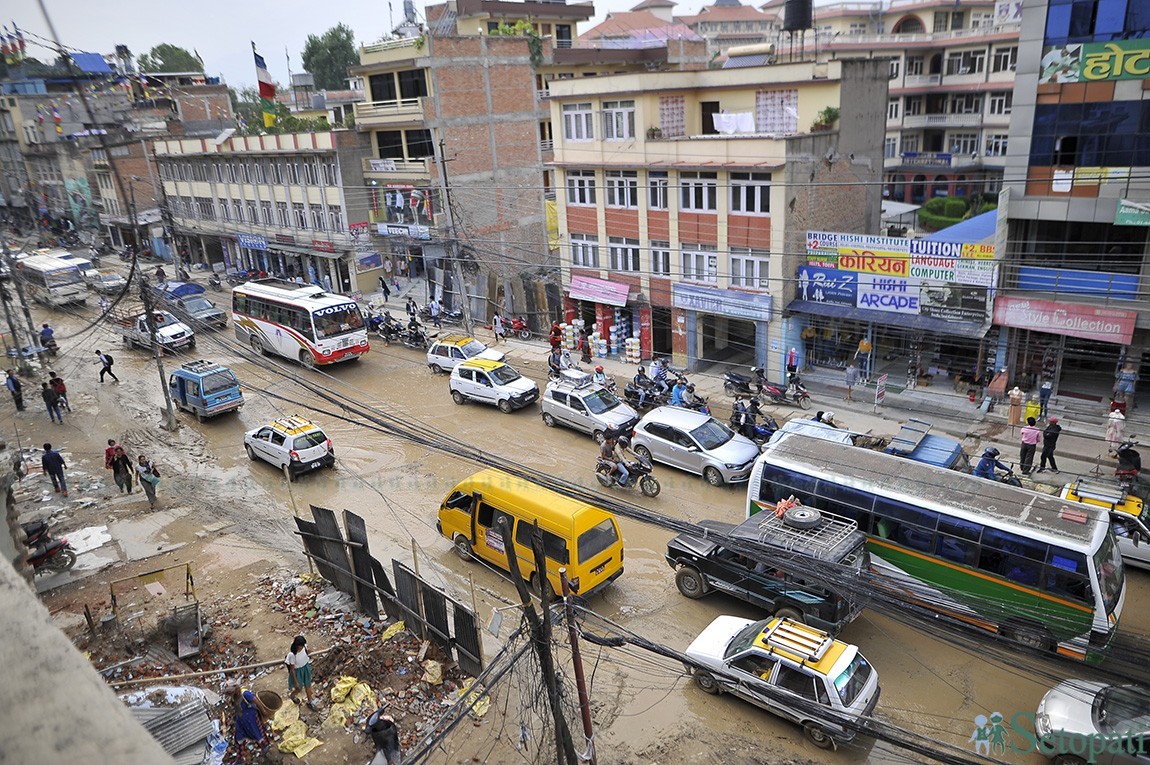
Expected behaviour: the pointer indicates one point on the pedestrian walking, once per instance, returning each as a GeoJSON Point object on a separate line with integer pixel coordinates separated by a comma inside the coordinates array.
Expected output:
{"type": "Point", "coordinates": [121, 467]}
{"type": "Point", "coordinates": [556, 336]}
{"type": "Point", "coordinates": [106, 362]}
{"type": "Point", "coordinates": [299, 671]}
{"type": "Point", "coordinates": [1115, 431]}
{"type": "Point", "coordinates": [149, 476]}
{"type": "Point", "coordinates": [1049, 442]}
{"type": "Point", "coordinates": [52, 402]}
{"type": "Point", "coordinates": [110, 453]}
{"type": "Point", "coordinates": [497, 327]}
{"type": "Point", "coordinates": [1044, 396]}
{"type": "Point", "coordinates": [412, 308]}
{"type": "Point", "coordinates": [384, 288]}
{"type": "Point", "coordinates": [1031, 435]}
{"type": "Point", "coordinates": [53, 465]}
{"type": "Point", "coordinates": [16, 388]}
{"type": "Point", "coordinates": [57, 383]}
{"type": "Point", "coordinates": [434, 309]}
{"type": "Point", "coordinates": [852, 379]}
{"type": "Point", "coordinates": [585, 345]}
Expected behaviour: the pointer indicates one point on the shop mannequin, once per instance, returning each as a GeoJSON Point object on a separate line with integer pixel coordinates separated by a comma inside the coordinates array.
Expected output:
{"type": "Point", "coordinates": [1115, 431]}
{"type": "Point", "coordinates": [1014, 413]}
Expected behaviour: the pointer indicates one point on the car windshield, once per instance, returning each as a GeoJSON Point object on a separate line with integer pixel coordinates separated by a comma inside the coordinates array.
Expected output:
{"type": "Point", "coordinates": [111, 278]}
{"type": "Point", "coordinates": [601, 401]}
{"type": "Point", "coordinates": [712, 434]}
{"type": "Point", "coordinates": [308, 440]}
{"type": "Point", "coordinates": [218, 381]}
{"type": "Point", "coordinates": [504, 374]}
{"type": "Point", "coordinates": [472, 348]}
{"type": "Point", "coordinates": [337, 320]}
{"type": "Point", "coordinates": [597, 540]}
{"type": "Point", "coordinates": [851, 681]}
{"type": "Point", "coordinates": [198, 304]}
{"type": "Point", "coordinates": [1122, 709]}
{"type": "Point", "coordinates": [1111, 573]}
{"type": "Point", "coordinates": [163, 319]}
{"type": "Point", "coordinates": [63, 277]}
{"type": "Point", "coordinates": [745, 638]}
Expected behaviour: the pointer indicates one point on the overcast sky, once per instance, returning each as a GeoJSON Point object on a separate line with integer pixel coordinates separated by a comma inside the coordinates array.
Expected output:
{"type": "Point", "coordinates": [222, 31]}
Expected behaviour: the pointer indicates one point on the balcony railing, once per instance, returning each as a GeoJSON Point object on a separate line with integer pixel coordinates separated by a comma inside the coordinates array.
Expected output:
{"type": "Point", "coordinates": [921, 80]}
{"type": "Point", "coordinates": [926, 37]}
{"type": "Point", "coordinates": [547, 146]}
{"type": "Point", "coordinates": [396, 166]}
{"type": "Point", "coordinates": [943, 159]}
{"type": "Point", "coordinates": [376, 111]}
{"type": "Point", "coordinates": [941, 120]}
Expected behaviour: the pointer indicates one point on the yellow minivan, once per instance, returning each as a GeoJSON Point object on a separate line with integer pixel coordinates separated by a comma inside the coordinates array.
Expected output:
{"type": "Point", "coordinates": [583, 538]}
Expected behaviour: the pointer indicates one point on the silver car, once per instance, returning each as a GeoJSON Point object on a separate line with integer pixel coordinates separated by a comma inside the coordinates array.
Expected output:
{"type": "Point", "coordinates": [575, 403]}
{"type": "Point", "coordinates": [1110, 722]}
{"type": "Point", "coordinates": [695, 442]}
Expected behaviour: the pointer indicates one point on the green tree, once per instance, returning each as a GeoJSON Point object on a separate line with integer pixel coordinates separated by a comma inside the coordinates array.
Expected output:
{"type": "Point", "coordinates": [169, 58]}
{"type": "Point", "coordinates": [249, 111]}
{"type": "Point", "coordinates": [329, 55]}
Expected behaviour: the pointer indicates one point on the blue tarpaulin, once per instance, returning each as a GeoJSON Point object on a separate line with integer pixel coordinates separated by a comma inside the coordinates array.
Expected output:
{"type": "Point", "coordinates": [976, 230]}
{"type": "Point", "coordinates": [91, 63]}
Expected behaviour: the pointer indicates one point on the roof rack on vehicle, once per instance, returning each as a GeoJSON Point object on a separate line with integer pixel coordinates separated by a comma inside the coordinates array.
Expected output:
{"type": "Point", "coordinates": [200, 366]}
{"type": "Point", "coordinates": [807, 643]}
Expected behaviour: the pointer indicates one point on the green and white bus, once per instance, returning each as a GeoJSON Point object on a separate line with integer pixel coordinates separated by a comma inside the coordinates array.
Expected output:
{"type": "Point", "coordinates": [1032, 567]}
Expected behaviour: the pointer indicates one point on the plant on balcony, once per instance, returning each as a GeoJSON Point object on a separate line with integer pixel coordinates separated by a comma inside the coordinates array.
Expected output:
{"type": "Point", "coordinates": [654, 132]}
{"type": "Point", "coordinates": [940, 212]}
{"type": "Point", "coordinates": [825, 119]}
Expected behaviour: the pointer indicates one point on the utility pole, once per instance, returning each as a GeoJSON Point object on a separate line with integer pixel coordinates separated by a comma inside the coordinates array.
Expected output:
{"type": "Point", "coordinates": [577, 663]}
{"type": "Point", "coordinates": [453, 243]}
{"type": "Point", "coordinates": [21, 362]}
{"type": "Point", "coordinates": [12, 272]}
{"type": "Point", "coordinates": [170, 422]}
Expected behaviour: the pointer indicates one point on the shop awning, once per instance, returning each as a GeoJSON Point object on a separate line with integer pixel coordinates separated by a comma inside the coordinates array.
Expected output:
{"type": "Point", "coordinates": [295, 249]}
{"type": "Point", "coordinates": [599, 291]}
{"type": "Point", "coordinates": [907, 321]}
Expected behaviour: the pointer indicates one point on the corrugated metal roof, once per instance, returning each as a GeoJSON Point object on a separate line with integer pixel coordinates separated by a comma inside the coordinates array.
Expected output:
{"type": "Point", "coordinates": [178, 728]}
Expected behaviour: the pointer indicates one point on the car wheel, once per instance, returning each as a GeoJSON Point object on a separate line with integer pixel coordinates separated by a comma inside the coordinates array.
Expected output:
{"type": "Point", "coordinates": [436, 369]}
{"type": "Point", "coordinates": [818, 736]}
{"type": "Point", "coordinates": [690, 583]}
{"type": "Point", "coordinates": [307, 359]}
{"type": "Point", "coordinates": [643, 453]}
{"type": "Point", "coordinates": [504, 406]}
{"type": "Point", "coordinates": [713, 476]}
{"type": "Point", "coordinates": [790, 612]}
{"type": "Point", "coordinates": [1031, 637]}
{"type": "Point", "coordinates": [802, 517]}
{"type": "Point", "coordinates": [256, 345]}
{"type": "Point", "coordinates": [706, 682]}
{"type": "Point", "coordinates": [649, 485]}
{"type": "Point", "coordinates": [251, 452]}
{"type": "Point", "coordinates": [462, 547]}
{"type": "Point", "coordinates": [458, 397]}
{"type": "Point", "coordinates": [548, 420]}
{"type": "Point", "coordinates": [598, 436]}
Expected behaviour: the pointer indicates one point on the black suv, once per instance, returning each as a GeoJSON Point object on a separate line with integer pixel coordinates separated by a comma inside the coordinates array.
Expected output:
{"type": "Point", "coordinates": [702, 564]}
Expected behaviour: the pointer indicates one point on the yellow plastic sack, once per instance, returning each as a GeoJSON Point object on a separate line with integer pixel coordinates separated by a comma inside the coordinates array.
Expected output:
{"type": "Point", "coordinates": [295, 739]}
{"type": "Point", "coordinates": [480, 707]}
{"type": "Point", "coordinates": [340, 690]}
{"type": "Point", "coordinates": [391, 631]}
{"type": "Point", "coordinates": [287, 714]}
{"type": "Point", "coordinates": [432, 672]}
{"type": "Point", "coordinates": [336, 718]}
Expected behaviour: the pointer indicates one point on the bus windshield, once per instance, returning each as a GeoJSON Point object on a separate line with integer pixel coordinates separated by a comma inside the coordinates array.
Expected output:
{"type": "Point", "coordinates": [1111, 574]}
{"type": "Point", "coordinates": [62, 278]}
{"type": "Point", "coordinates": [337, 320]}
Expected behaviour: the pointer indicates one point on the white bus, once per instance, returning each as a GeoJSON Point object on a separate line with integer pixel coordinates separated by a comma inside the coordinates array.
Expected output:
{"type": "Point", "coordinates": [51, 281]}
{"type": "Point", "coordinates": [297, 321]}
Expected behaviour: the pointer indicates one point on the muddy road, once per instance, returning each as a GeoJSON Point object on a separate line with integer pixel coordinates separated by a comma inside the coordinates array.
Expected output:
{"type": "Point", "coordinates": [646, 711]}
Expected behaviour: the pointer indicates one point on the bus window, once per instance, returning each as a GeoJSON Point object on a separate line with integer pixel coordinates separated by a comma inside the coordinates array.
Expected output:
{"type": "Point", "coordinates": [1012, 556]}
{"type": "Point", "coordinates": [779, 485]}
{"type": "Point", "coordinates": [958, 540]}
{"type": "Point", "coordinates": [1068, 585]}
{"type": "Point", "coordinates": [460, 501]}
{"type": "Point", "coordinates": [852, 503]}
{"type": "Point", "coordinates": [554, 546]}
{"type": "Point", "coordinates": [905, 524]}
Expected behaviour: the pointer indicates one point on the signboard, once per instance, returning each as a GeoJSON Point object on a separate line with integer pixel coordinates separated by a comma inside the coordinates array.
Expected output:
{"type": "Point", "coordinates": [888, 293]}
{"type": "Point", "coordinates": [1095, 62]}
{"type": "Point", "coordinates": [827, 285]}
{"type": "Point", "coordinates": [880, 390]}
{"type": "Point", "coordinates": [322, 245]}
{"type": "Point", "coordinates": [740, 305]}
{"type": "Point", "coordinates": [368, 262]}
{"type": "Point", "coordinates": [382, 165]}
{"type": "Point", "coordinates": [1132, 213]}
{"type": "Point", "coordinates": [285, 239]}
{"type": "Point", "coordinates": [252, 241]}
{"type": "Point", "coordinates": [396, 229]}
{"type": "Point", "coordinates": [1110, 325]}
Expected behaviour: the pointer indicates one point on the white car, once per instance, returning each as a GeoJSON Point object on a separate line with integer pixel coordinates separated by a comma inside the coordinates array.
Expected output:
{"type": "Point", "coordinates": [492, 382]}
{"type": "Point", "coordinates": [446, 352]}
{"type": "Point", "coordinates": [695, 442]}
{"type": "Point", "coordinates": [105, 282]}
{"type": "Point", "coordinates": [292, 443]}
{"type": "Point", "coordinates": [1079, 718]}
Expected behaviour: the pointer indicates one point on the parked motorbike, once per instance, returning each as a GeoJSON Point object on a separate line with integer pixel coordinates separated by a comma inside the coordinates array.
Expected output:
{"type": "Point", "coordinates": [47, 555]}
{"type": "Point", "coordinates": [638, 474]}
{"type": "Point", "coordinates": [736, 384]}
{"type": "Point", "coordinates": [794, 393]}
{"type": "Point", "coordinates": [386, 327]}
{"type": "Point", "coordinates": [236, 278]}
{"type": "Point", "coordinates": [518, 326]}
{"type": "Point", "coordinates": [214, 282]}
{"type": "Point", "coordinates": [1129, 471]}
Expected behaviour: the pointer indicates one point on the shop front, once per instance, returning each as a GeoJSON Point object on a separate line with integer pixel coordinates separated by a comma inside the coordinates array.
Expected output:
{"type": "Point", "coordinates": [318, 263]}
{"type": "Point", "coordinates": [1078, 347]}
{"type": "Point", "coordinates": [718, 326]}
{"type": "Point", "coordinates": [609, 310]}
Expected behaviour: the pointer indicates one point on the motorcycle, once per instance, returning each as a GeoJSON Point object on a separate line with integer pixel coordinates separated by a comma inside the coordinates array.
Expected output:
{"type": "Point", "coordinates": [126, 253]}
{"type": "Point", "coordinates": [50, 346]}
{"type": "Point", "coordinates": [794, 393]}
{"type": "Point", "coordinates": [1129, 471]}
{"type": "Point", "coordinates": [565, 363]}
{"type": "Point", "coordinates": [638, 474]}
{"type": "Point", "coordinates": [603, 381]}
{"type": "Point", "coordinates": [386, 327]}
{"type": "Point", "coordinates": [416, 337]}
{"type": "Point", "coordinates": [634, 396]}
{"type": "Point", "coordinates": [1009, 478]}
{"type": "Point", "coordinates": [47, 555]}
{"type": "Point", "coordinates": [214, 282]}
{"type": "Point", "coordinates": [445, 315]}
{"type": "Point", "coordinates": [518, 326]}
{"type": "Point", "coordinates": [747, 423]}
{"type": "Point", "coordinates": [735, 384]}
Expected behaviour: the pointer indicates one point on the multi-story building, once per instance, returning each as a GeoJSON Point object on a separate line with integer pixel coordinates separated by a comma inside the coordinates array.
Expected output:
{"type": "Point", "coordinates": [133, 216]}
{"type": "Point", "coordinates": [13, 175]}
{"type": "Point", "coordinates": [1072, 301]}
{"type": "Point", "coordinates": [685, 198]}
{"type": "Point", "coordinates": [290, 204]}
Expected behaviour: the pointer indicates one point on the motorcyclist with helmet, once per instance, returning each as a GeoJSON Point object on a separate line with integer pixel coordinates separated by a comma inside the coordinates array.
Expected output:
{"type": "Point", "coordinates": [989, 462]}
{"type": "Point", "coordinates": [677, 392]}
{"type": "Point", "coordinates": [690, 400]}
{"type": "Point", "coordinates": [642, 382]}
{"type": "Point", "coordinates": [600, 378]}
{"type": "Point", "coordinates": [659, 376]}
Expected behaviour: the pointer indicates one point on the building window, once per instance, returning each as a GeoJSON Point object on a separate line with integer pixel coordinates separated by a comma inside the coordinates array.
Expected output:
{"type": "Point", "coordinates": [624, 253]}
{"type": "Point", "coordinates": [257, 172]}
{"type": "Point", "coordinates": [419, 144]}
{"type": "Point", "coordinates": [751, 193]}
{"type": "Point", "coordinates": [253, 213]}
{"type": "Point", "coordinates": [1005, 59]}
{"type": "Point", "coordinates": [309, 174]}
{"type": "Point", "coordinates": [218, 171]}
{"type": "Point", "coordinates": [225, 211]}
{"type": "Point", "coordinates": [317, 218]}
{"type": "Point", "coordinates": [965, 103]}
{"type": "Point", "coordinates": [895, 66]}
{"type": "Point", "coordinates": [581, 187]}
{"type": "Point", "coordinates": [412, 84]}
{"type": "Point", "coordinates": [618, 120]}
{"type": "Point", "coordinates": [1001, 103]}
{"type": "Point", "coordinates": [966, 62]}
{"type": "Point", "coordinates": [996, 145]}
{"type": "Point", "coordinates": [293, 173]}
{"type": "Point", "coordinates": [964, 143]}
{"type": "Point", "coordinates": [283, 218]}
{"type": "Point", "coordinates": [578, 122]}
{"type": "Point", "coordinates": [700, 263]}
{"type": "Point", "coordinates": [981, 19]}
{"type": "Point", "coordinates": [749, 268]}
{"type": "Point", "coordinates": [299, 212]}
{"type": "Point", "coordinates": [777, 111]}
{"type": "Point", "coordinates": [672, 116]}
{"type": "Point", "coordinates": [914, 65]}
{"type": "Point", "coordinates": [657, 189]}
{"type": "Point", "coordinates": [274, 175]}
{"type": "Point", "coordinates": [324, 174]}
{"type": "Point", "coordinates": [890, 147]}
{"type": "Point", "coordinates": [622, 188]}
{"type": "Point", "coordinates": [957, 19]}
{"type": "Point", "coordinates": [941, 21]}
{"type": "Point", "coordinates": [660, 258]}
{"type": "Point", "coordinates": [237, 211]}
{"type": "Point", "coordinates": [908, 144]}
{"type": "Point", "coordinates": [242, 172]}
{"type": "Point", "coordinates": [698, 191]}
{"type": "Point", "coordinates": [335, 217]}
{"type": "Point", "coordinates": [913, 105]}
{"type": "Point", "coordinates": [584, 251]}
{"type": "Point", "coordinates": [892, 108]}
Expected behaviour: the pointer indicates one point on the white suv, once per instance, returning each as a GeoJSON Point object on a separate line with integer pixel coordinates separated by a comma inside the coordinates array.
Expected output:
{"type": "Point", "coordinates": [492, 382]}
{"type": "Point", "coordinates": [293, 443]}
